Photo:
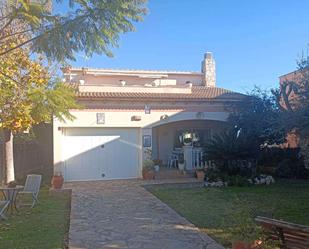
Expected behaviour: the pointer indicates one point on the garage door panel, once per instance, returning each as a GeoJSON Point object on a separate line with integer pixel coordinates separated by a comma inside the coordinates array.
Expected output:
{"type": "Point", "coordinates": [121, 156]}
{"type": "Point", "coordinates": [99, 154]}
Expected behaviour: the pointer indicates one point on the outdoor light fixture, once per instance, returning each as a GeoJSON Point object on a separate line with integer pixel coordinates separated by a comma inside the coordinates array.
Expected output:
{"type": "Point", "coordinates": [164, 117]}
{"type": "Point", "coordinates": [136, 118]}
{"type": "Point", "coordinates": [122, 82]}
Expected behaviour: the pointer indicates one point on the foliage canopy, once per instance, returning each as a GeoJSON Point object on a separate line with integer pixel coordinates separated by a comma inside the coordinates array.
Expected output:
{"type": "Point", "coordinates": [90, 26]}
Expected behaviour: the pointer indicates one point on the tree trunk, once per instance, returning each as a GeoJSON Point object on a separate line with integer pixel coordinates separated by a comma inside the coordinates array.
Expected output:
{"type": "Point", "coordinates": [8, 158]}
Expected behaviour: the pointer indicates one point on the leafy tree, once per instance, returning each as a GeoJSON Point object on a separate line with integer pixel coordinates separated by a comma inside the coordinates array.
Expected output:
{"type": "Point", "coordinates": [233, 153]}
{"type": "Point", "coordinates": [231, 145]}
{"type": "Point", "coordinates": [293, 98]}
{"type": "Point", "coordinates": [28, 96]}
{"type": "Point", "coordinates": [257, 118]}
{"type": "Point", "coordinates": [90, 26]}
{"type": "Point", "coordinates": [28, 93]}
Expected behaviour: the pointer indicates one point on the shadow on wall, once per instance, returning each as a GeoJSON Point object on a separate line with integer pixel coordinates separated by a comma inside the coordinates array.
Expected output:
{"type": "Point", "coordinates": [99, 157]}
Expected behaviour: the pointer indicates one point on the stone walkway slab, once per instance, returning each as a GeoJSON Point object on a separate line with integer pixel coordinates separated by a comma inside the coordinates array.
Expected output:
{"type": "Point", "coordinates": [122, 214]}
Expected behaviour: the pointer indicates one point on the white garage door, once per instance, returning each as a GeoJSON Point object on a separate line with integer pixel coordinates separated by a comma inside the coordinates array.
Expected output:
{"type": "Point", "coordinates": [100, 153]}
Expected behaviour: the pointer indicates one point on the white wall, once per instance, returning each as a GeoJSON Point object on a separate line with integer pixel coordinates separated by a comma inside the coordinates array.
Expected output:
{"type": "Point", "coordinates": [122, 118]}
{"type": "Point", "coordinates": [181, 79]}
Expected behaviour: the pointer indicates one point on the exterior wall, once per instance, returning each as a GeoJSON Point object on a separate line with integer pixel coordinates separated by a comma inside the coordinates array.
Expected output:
{"type": "Point", "coordinates": [294, 77]}
{"type": "Point", "coordinates": [292, 138]}
{"type": "Point", "coordinates": [122, 117]}
{"type": "Point", "coordinates": [137, 79]}
{"type": "Point", "coordinates": [33, 155]}
{"type": "Point", "coordinates": [186, 89]}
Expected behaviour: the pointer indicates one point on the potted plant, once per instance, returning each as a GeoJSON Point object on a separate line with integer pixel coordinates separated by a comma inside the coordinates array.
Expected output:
{"type": "Point", "coordinates": [200, 173]}
{"type": "Point", "coordinates": [157, 164]}
{"type": "Point", "coordinates": [181, 162]}
{"type": "Point", "coordinates": [12, 184]}
{"type": "Point", "coordinates": [57, 181]}
{"type": "Point", "coordinates": [148, 169]}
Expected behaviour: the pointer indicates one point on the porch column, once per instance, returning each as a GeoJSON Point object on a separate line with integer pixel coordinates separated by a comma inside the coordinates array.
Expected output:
{"type": "Point", "coordinates": [187, 153]}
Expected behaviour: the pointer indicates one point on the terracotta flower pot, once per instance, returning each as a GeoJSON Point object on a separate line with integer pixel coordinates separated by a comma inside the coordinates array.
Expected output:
{"type": "Point", "coordinates": [200, 175]}
{"type": "Point", "coordinates": [243, 245]}
{"type": "Point", "coordinates": [148, 175]}
{"type": "Point", "coordinates": [57, 182]}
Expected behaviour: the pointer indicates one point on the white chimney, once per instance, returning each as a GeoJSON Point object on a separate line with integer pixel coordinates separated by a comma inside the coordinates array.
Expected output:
{"type": "Point", "coordinates": [209, 70]}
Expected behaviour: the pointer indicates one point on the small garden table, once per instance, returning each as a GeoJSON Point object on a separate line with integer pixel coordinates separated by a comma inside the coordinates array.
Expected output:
{"type": "Point", "coordinates": [10, 194]}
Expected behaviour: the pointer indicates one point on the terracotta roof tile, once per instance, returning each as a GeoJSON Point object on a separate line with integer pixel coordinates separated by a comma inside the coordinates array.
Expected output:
{"type": "Point", "coordinates": [198, 93]}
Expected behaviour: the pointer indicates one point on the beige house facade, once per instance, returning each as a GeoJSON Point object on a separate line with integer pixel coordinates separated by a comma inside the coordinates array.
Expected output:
{"type": "Point", "coordinates": [126, 115]}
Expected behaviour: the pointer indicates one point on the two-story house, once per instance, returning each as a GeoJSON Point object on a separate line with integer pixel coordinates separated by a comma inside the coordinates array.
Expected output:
{"type": "Point", "coordinates": [128, 113]}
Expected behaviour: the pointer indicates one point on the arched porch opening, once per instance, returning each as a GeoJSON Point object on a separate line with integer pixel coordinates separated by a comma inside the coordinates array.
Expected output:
{"type": "Point", "coordinates": [166, 137]}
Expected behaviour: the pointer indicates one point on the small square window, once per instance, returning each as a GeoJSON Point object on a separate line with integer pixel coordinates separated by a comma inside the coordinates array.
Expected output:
{"type": "Point", "coordinates": [100, 118]}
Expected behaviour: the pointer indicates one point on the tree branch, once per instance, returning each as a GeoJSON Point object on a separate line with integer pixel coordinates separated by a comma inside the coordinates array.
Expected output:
{"type": "Point", "coordinates": [285, 97]}
{"type": "Point", "coordinates": [20, 45]}
{"type": "Point", "coordinates": [12, 34]}
{"type": "Point", "coordinates": [9, 77]}
{"type": "Point", "coordinates": [41, 35]}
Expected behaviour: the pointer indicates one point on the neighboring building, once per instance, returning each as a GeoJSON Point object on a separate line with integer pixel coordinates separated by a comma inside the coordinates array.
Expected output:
{"type": "Point", "coordinates": [292, 139]}
{"type": "Point", "coordinates": [126, 113]}
{"type": "Point", "coordinates": [295, 77]}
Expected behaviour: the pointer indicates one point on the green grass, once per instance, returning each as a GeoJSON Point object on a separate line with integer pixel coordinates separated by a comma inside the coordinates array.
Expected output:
{"type": "Point", "coordinates": [217, 210]}
{"type": "Point", "coordinates": [45, 226]}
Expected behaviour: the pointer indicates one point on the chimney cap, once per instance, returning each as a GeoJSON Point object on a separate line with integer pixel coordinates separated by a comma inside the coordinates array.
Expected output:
{"type": "Point", "coordinates": [208, 55]}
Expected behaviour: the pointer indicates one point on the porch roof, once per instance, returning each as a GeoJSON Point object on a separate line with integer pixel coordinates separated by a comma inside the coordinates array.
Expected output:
{"type": "Point", "coordinates": [198, 93]}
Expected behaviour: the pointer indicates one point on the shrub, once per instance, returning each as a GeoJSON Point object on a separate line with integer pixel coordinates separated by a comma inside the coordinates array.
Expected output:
{"type": "Point", "coordinates": [284, 169]}
{"type": "Point", "coordinates": [233, 153]}
{"type": "Point", "coordinates": [148, 165]}
{"type": "Point", "coordinates": [271, 156]}
{"type": "Point", "coordinates": [238, 181]}
{"type": "Point", "coordinates": [231, 145]}
{"type": "Point", "coordinates": [292, 169]}
{"type": "Point", "coordinates": [213, 174]}
{"type": "Point", "coordinates": [245, 168]}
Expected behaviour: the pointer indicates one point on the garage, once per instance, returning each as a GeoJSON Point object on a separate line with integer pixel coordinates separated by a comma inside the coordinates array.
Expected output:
{"type": "Point", "coordinates": [100, 153]}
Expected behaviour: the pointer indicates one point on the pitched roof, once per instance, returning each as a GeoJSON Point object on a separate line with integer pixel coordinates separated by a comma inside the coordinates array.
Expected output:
{"type": "Point", "coordinates": [199, 93]}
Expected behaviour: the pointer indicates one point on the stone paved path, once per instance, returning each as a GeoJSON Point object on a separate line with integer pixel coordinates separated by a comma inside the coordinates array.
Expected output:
{"type": "Point", "coordinates": [122, 214]}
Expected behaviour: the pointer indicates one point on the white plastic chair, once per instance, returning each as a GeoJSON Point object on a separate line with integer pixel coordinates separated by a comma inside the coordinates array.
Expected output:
{"type": "Point", "coordinates": [32, 186]}
{"type": "Point", "coordinates": [172, 161]}
{"type": "Point", "coordinates": [3, 206]}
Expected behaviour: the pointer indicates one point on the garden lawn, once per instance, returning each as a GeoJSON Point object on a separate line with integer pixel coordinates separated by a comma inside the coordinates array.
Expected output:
{"type": "Point", "coordinates": [45, 226]}
{"type": "Point", "coordinates": [217, 210]}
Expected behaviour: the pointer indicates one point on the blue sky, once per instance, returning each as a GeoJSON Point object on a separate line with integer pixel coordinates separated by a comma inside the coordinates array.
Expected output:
{"type": "Point", "coordinates": [253, 42]}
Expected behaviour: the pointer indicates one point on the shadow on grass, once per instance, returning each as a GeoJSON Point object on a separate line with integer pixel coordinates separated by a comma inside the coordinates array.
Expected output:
{"type": "Point", "coordinates": [217, 211]}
